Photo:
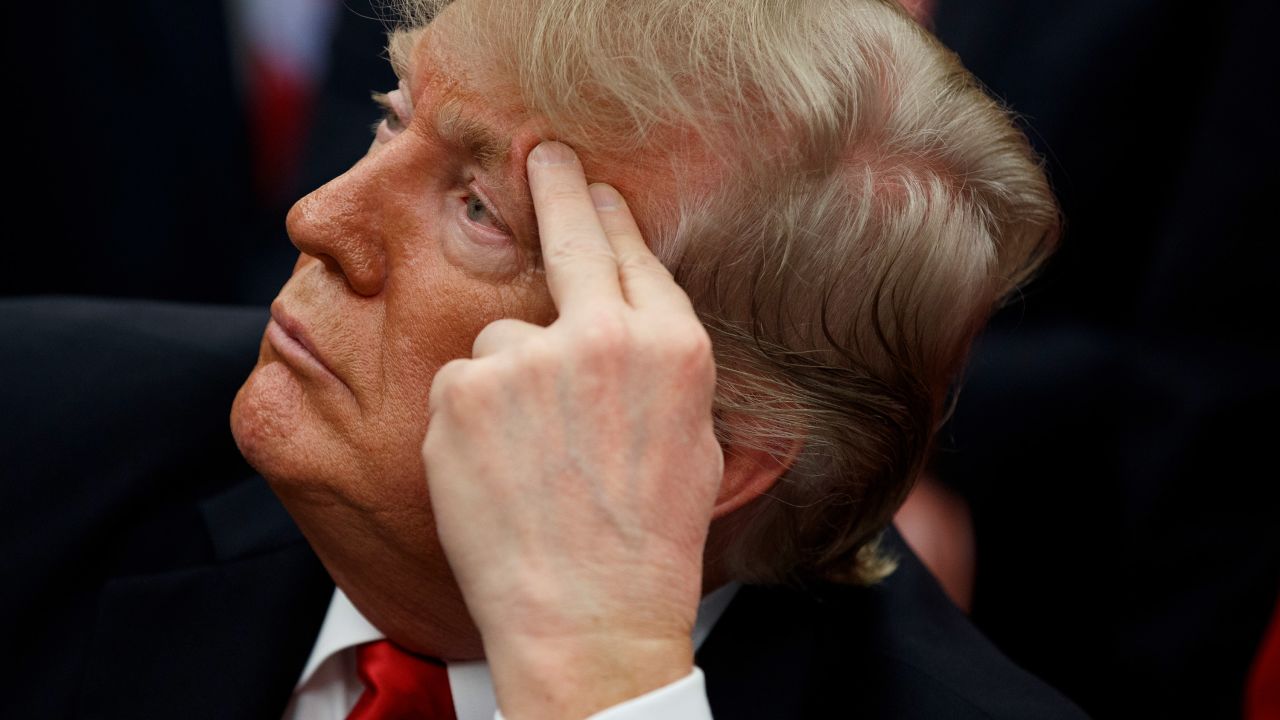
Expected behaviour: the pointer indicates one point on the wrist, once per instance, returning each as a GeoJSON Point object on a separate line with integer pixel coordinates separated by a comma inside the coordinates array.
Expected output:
{"type": "Point", "coordinates": [537, 678]}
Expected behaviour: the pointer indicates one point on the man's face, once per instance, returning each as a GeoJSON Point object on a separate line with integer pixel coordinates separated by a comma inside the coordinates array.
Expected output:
{"type": "Point", "coordinates": [405, 258]}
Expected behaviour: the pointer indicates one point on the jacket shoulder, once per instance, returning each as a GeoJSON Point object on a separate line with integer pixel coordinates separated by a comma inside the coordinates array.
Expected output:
{"type": "Point", "coordinates": [118, 458]}
{"type": "Point", "coordinates": [116, 415]}
{"type": "Point", "coordinates": [899, 649]}
{"type": "Point", "coordinates": [86, 379]}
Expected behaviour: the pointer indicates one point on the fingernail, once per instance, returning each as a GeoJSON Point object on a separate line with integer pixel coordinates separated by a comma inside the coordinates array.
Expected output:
{"type": "Point", "coordinates": [552, 153]}
{"type": "Point", "coordinates": [604, 196]}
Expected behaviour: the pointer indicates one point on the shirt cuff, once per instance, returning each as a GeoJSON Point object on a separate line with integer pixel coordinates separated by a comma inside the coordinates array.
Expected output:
{"type": "Point", "coordinates": [684, 699]}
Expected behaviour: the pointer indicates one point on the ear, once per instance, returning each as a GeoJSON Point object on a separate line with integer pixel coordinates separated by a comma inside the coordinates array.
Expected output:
{"type": "Point", "coordinates": [750, 473]}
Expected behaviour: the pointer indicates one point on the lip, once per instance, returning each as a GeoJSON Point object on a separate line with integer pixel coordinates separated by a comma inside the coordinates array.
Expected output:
{"type": "Point", "coordinates": [290, 339]}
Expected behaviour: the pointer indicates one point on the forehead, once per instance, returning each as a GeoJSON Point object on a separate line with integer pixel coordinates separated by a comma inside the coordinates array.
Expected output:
{"type": "Point", "coordinates": [458, 92]}
{"type": "Point", "coordinates": [450, 62]}
{"type": "Point", "coordinates": [458, 69]}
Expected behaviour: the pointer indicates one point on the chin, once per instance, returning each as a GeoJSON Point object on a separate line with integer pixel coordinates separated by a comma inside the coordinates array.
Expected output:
{"type": "Point", "coordinates": [368, 521]}
{"type": "Point", "coordinates": [267, 421]}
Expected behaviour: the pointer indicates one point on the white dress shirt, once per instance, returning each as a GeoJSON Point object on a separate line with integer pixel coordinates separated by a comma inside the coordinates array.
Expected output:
{"type": "Point", "coordinates": [329, 686]}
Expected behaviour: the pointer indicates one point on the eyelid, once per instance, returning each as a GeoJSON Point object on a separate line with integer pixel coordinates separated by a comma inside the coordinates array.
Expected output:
{"type": "Point", "coordinates": [407, 96]}
{"type": "Point", "coordinates": [528, 246]}
{"type": "Point", "coordinates": [399, 103]}
{"type": "Point", "coordinates": [488, 205]}
{"type": "Point", "coordinates": [396, 102]}
{"type": "Point", "coordinates": [383, 101]}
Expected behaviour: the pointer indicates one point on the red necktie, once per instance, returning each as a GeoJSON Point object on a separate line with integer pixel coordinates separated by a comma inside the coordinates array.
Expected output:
{"type": "Point", "coordinates": [400, 686]}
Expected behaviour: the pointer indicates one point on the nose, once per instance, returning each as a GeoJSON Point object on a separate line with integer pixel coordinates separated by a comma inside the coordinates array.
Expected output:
{"type": "Point", "coordinates": [340, 224]}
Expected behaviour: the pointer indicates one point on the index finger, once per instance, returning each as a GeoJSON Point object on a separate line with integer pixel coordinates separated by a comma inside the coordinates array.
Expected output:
{"type": "Point", "coordinates": [646, 282]}
{"type": "Point", "coordinates": [580, 263]}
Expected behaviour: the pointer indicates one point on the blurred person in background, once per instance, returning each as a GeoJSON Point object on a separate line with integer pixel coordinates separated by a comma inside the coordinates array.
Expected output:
{"type": "Point", "coordinates": [184, 126]}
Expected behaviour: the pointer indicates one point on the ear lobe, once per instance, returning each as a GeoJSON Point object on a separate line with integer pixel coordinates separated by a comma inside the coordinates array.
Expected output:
{"type": "Point", "coordinates": [750, 473]}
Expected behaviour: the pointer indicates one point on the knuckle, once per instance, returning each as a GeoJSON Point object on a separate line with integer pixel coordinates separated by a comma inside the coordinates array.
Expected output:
{"type": "Point", "coordinates": [456, 385]}
{"type": "Point", "coordinates": [604, 334]}
{"type": "Point", "coordinates": [559, 190]}
{"type": "Point", "coordinates": [491, 336]}
{"type": "Point", "coordinates": [491, 328]}
{"type": "Point", "coordinates": [444, 374]}
{"type": "Point", "coordinates": [690, 339]}
{"type": "Point", "coordinates": [445, 394]}
{"type": "Point", "coordinates": [576, 247]}
{"type": "Point", "coordinates": [482, 339]}
{"type": "Point", "coordinates": [689, 346]}
{"type": "Point", "coordinates": [639, 262]}
{"type": "Point", "coordinates": [535, 358]}
{"type": "Point", "coordinates": [431, 444]}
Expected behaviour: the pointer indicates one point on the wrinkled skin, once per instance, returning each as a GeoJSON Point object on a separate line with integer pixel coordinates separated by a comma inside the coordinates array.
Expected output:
{"type": "Point", "coordinates": [575, 469]}
{"type": "Point", "coordinates": [406, 259]}
{"type": "Point", "coordinates": [396, 278]}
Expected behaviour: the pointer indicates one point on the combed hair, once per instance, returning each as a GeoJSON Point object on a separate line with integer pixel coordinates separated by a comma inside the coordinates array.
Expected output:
{"type": "Point", "coordinates": [847, 207]}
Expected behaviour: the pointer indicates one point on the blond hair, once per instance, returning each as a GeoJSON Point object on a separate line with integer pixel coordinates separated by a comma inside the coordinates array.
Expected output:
{"type": "Point", "coordinates": [863, 208]}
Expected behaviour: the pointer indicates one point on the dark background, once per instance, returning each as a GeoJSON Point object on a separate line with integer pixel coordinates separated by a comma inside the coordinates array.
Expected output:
{"type": "Point", "coordinates": [1115, 431]}
{"type": "Point", "coordinates": [1114, 436]}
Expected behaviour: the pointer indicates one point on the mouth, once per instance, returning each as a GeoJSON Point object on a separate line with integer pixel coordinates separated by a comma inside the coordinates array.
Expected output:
{"type": "Point", "coordinates": [290, 340]}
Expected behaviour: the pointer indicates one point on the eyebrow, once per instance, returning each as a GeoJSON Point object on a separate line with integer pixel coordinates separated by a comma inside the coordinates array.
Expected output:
{"type": "Point", "coordinates": [453, 125]}
{"type": "Point", "coordinates": [492, 151]}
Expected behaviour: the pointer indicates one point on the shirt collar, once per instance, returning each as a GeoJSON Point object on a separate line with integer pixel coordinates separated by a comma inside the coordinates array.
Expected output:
{"type": "Point", "coordinates": [345, 627]}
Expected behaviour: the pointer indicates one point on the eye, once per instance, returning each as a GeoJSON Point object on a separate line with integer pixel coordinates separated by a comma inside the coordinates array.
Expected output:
{"type": "Point", "coordinates": [396, 113]}
{"type": "Point", "coordinates": [389, 117]}
{"type": "Point", "coordinates": [392, 120]}
{"type": "Point", "coordinates": [479, 213]}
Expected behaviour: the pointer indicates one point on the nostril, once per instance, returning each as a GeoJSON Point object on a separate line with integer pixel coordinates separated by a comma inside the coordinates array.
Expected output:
{"type": "Point", "coordinates": [337, 225]}
{"type": "Point", "coordinates": [331, 264]}
{"type": "Point", "coordinates": [359, 280]}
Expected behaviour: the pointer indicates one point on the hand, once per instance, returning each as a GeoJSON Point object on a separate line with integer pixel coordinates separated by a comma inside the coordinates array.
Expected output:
{"type": "Point", "coordinates": [573, 468]}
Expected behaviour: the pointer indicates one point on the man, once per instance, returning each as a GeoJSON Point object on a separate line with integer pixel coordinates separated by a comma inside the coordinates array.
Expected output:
{"type": "Point", "coordinates": [842, 207]}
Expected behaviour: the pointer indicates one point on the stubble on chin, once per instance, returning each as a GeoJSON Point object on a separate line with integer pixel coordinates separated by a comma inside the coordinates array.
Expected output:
{"type": "Point", "coordinates": [265, 416]}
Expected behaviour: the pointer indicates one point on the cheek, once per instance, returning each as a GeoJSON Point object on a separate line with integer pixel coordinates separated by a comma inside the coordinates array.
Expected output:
{"type": "Point", "coordinates": [441, 319]}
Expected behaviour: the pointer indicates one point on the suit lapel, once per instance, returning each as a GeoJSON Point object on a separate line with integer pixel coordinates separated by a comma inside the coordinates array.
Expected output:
{"type": "Point", "coordinates": [217, 640]}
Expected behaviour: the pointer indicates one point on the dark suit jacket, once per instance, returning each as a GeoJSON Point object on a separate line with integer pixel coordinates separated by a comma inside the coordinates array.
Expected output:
{"type": "Point", "coordinates": [150, 574]}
